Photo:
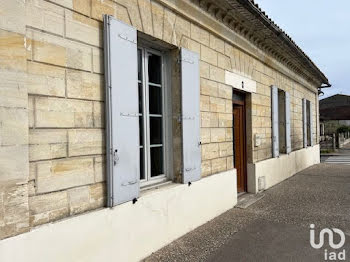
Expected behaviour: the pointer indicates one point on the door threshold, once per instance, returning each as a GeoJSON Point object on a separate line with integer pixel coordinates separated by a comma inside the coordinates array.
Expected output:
{"type": "Point", "coordinates": [248, 199]}
{"type": "Point", "coordinates": [240, 194]}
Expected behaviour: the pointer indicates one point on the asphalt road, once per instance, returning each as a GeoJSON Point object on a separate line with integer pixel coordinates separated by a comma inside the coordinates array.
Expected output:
{"type": "Point", "coordinates": [277, 227]}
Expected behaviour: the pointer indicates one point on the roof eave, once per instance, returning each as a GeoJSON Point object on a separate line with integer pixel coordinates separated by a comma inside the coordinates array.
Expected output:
{"type": "Point", "coordinates": [257, 12]}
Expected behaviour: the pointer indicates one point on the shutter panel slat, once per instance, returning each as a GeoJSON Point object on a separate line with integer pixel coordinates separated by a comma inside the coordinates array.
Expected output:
{"type": "Point", "coordinates": [304, 123]}
{"type": "Point", "coordinates": [288, 128]}
{"type": "Point", "coordinates": [122, 111]}
{"type": "Point", "coordinates": [311, 126]}
{"type": "Point", "coordinates": [190, 95]}
{"type": "Point", "coordinates": [275, 122]}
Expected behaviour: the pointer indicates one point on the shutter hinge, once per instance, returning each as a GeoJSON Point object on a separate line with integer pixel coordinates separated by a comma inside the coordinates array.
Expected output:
{"type": "Point", "coordinates": [185, 60]}
{"type": "Point", "coordinates": [125, 37]}
{"type": "Point", "coordinates": [181, 117]}
{"type": "Point", "coordinates": [130, 114]}
{"type": "Point", "coordinates": [178, 118]}
{"type": "Point", "coordinates": [188, 117]}
{"type": "Point", "coordinates": [129, 183]}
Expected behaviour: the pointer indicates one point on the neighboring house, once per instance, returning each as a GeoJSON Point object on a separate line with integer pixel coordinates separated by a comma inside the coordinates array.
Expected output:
{"type": "Point", "coordinates": [334, 113]}
{"type": "Point", "coordinates": [195, 102]}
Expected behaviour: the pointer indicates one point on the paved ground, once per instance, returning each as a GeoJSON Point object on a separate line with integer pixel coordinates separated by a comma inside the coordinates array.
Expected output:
{"type": "Point", "coordinates": [276, 228]}
{"type": "Point", "coordinates": [345, 150]}
{"type": "Point", "coordinates": [341, 156]}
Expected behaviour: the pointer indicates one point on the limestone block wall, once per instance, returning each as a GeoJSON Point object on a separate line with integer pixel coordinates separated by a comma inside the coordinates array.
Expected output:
{"type": "Point", "coordinates": [65, 96]}
{"type": "Point", "coordinates": [261, 110]}
{"type": "Point", "coordinates": [14, 168]}
{"type": "Point", "coordinates": [52, 153]}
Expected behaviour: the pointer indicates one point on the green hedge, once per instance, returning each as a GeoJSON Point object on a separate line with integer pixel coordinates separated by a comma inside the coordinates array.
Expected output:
{"type": "Point", "coordinates": [343, 129]}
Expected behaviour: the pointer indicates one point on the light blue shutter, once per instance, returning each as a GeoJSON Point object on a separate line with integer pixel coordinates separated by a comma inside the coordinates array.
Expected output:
{"type": "Point", "coordinates": [304, 123]}
{"type": "Point", "coordinates": [311, 126]}
{"type": "Point", "coordinates": [190, 116]}
{"type": "Point", "coordinates": [275, 122]}
{"type": "Point", "coordinates": [122, 122]}
{"type": "Point", "coordinates": [288, 129]}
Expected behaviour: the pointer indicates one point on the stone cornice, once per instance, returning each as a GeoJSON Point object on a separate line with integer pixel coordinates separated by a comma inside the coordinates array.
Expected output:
{"type": "Point", "coordinates": [194, 13]}
{"type": "Point", "coordinates": [258, 29]}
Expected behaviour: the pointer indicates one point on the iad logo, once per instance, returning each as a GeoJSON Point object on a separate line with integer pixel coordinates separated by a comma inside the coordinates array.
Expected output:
{"type": "Point", "coordinates": [340, 255]}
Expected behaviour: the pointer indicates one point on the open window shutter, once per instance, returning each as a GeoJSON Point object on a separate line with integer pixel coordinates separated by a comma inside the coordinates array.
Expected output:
{"type": "Point", "coordinates": [304, 123]}
{"type": "Point", "coordinates": [122, 111]}
{"type": "Point", "coordinates": [275, 122]}
{"type": "Point", "coordinates": [311, 126]}
{"type": "Point", "coordinates": [288, 130]}
{"type": "Point", "coordinates": [190, 116]}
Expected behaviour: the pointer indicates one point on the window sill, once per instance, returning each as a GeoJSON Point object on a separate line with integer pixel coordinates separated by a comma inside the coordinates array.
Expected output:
{"type": "Point", "coordinates": [160, 185]}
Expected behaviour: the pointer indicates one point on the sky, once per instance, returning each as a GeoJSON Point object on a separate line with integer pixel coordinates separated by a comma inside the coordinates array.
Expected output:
{"type": "Point", "coordinates": [321, 28]}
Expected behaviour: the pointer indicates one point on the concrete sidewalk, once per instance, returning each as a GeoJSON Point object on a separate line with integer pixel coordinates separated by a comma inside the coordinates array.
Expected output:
{"type": "Point", "coordinates": [345, 150]}
{"type": "Point", "coordinates": [276, 228]}
{"type": "Point", "coordinates": [341, 156]}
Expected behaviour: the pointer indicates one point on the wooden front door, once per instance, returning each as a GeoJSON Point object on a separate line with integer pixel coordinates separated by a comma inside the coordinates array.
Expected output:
{"type": "Point", "coordinates": [240, 161]}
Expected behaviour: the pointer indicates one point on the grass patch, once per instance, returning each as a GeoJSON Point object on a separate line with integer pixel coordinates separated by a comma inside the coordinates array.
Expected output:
{"type": "Point", "coordinates": [326, 151]}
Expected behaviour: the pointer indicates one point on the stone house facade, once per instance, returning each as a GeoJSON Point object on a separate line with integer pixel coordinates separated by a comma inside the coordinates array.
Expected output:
{"type": "Point", "coordinates": [54, 154]}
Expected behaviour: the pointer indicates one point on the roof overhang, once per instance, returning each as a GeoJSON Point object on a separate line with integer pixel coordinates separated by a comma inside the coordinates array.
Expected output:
{"type": "Point", "coordinates": [248, 20]}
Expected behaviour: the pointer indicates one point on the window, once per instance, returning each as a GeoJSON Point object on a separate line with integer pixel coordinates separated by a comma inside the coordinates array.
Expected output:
{"type": "Point", "coordinates": [308, 122]}
{"type": "Point", "coordinates": [151, 116]}
{"type": "Point", "coordinates": [282, 121]}
{"type": "Point", "coordinates": [281, 128]}
{"type": "Point", "coordinates": [139, 122]}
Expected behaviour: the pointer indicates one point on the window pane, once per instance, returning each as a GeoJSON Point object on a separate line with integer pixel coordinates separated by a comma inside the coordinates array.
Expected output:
{"type": "Point", "coordinates": [141, 130]}
{"type": "Point", "coordinates": [140, 98]}
{"type": "Point", "coordinates": [142, 166]}
{"type": "Point", "coordinates": [308, 124]}
{"type": "Point", "coordinates": [155, 100]}
{"type": "Point", "coordinates": [139, 64]}
{"type": "Point", "coordinates": [156, 161]}
{"type": "Point", "coordinates": [154, 69]}
{"type": "Point", "coordinates": [238, 96]}
{"type": "Point", "coordinates": [156, 126]}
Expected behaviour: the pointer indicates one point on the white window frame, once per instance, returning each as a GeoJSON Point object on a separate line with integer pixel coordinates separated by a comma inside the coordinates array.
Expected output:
{"type": "Point", "coordinates": [148, 180]}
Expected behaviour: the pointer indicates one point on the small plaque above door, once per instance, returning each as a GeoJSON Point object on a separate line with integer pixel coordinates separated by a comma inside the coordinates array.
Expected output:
{"type": "Point", "coordinates": [240, 82]}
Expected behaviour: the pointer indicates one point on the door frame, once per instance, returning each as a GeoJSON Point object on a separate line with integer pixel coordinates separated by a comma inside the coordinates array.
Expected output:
{"type": "Point", "coordinates": [242, 104]}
